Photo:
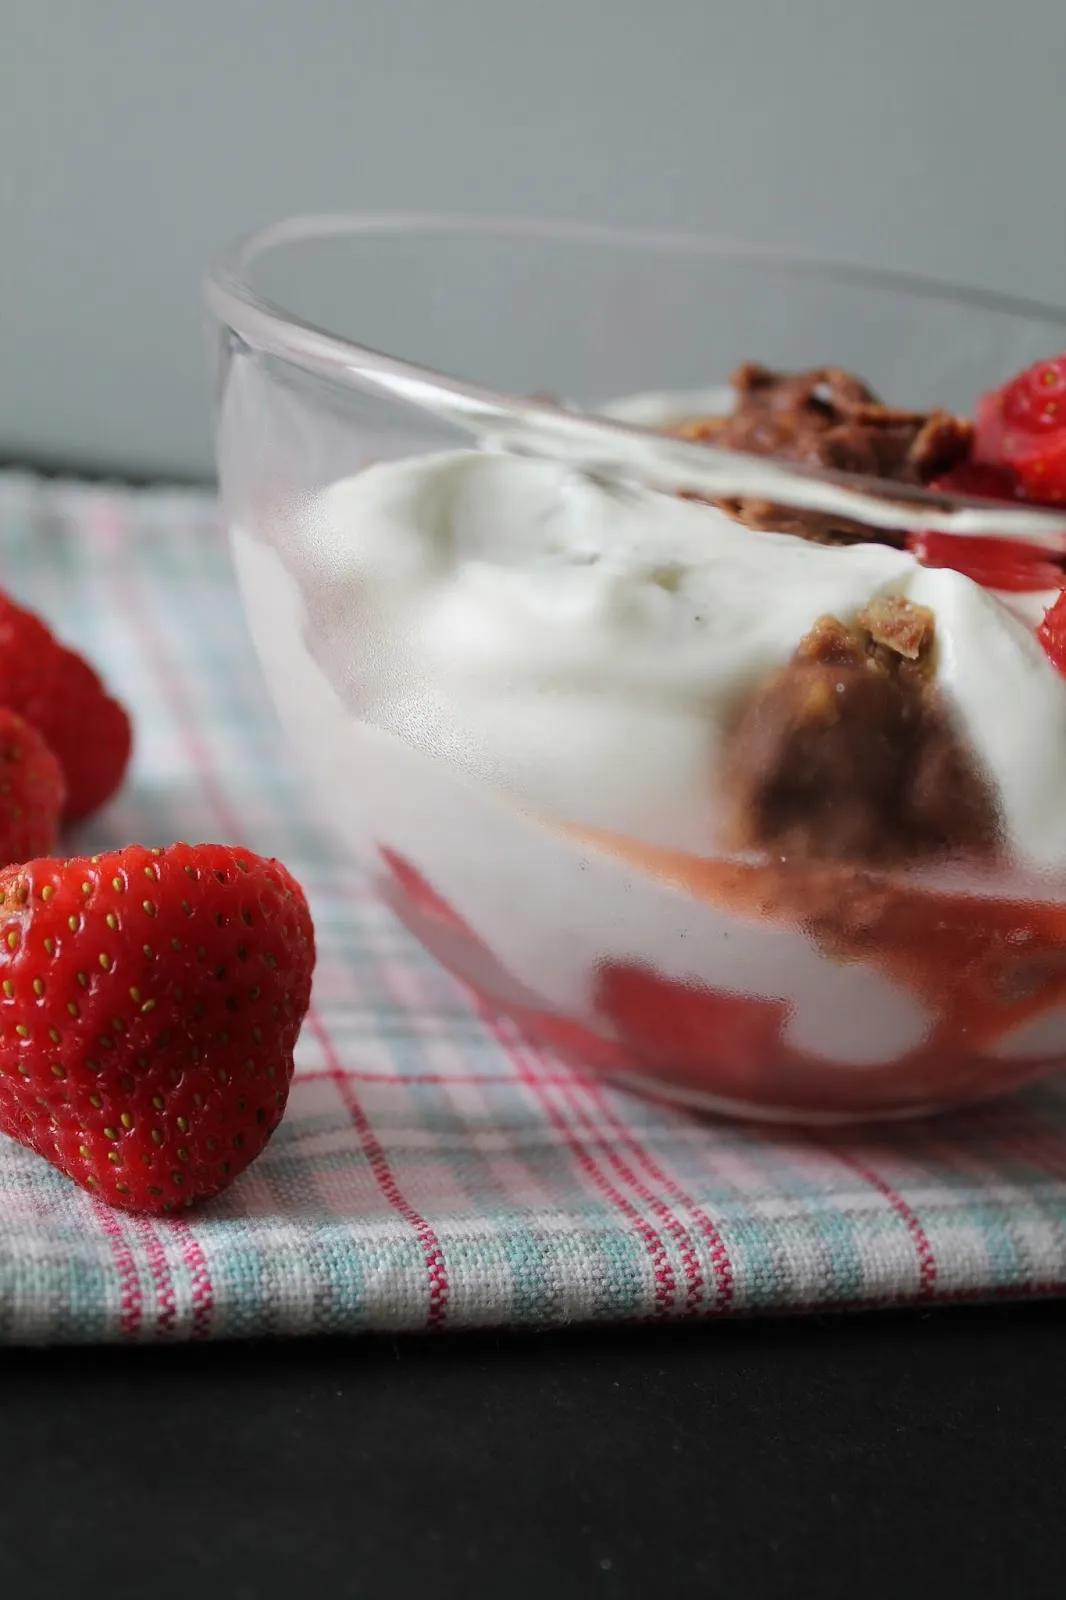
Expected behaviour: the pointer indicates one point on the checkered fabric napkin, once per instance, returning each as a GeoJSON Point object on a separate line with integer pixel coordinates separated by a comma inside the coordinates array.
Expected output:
{"type": "Point", "coordinates": [432, 1172]}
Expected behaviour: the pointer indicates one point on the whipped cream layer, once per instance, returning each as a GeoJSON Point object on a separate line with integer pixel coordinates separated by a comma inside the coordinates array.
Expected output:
{"type": "Point", "coordinates": [585, 648]}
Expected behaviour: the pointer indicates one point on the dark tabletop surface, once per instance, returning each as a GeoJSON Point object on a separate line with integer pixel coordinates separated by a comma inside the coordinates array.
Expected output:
{"type": "Point", "coordinates": [876, 1455]}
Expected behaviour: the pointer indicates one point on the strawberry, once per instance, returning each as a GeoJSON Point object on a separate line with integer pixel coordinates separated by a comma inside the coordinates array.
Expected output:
{"type": "Point", "coordinates": [425, 913]}
{"type": "Point", "coordinates": [149, 1005]}
{"type": "Point", "coordinates": [57, 691]}
{"type": "Point", "coordinates": [1042, 471]}
{"type": "Point", "coordinates": [996, 563]}
{"type": "Point", "coordinates": [977, 478]}
{"type": "Point", "coordinates": [688, 1031]}
{"type": "Point", "coordinates": [1022, 427]}
{"type": "Point", "coordinates": [1006, 564]}
{"type": "Point", "coordinates": [31, 791]}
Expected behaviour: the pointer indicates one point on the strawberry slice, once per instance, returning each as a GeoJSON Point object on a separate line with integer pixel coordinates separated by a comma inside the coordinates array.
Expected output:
{"type": "Point", "coordinates": [983, 967]}
{"type": "Point", "coordinates": [996, 563]}
{"type": "Point", "coordinates": [32, 791]}
{"type": "Point", "coordinates": [730, 1048]}
{"type": "Point", "coordinates": [727, 1042]}
{"type": "Point", "coordinates": [1042, 471]}
{"type": "Point", "coordinates": [426, 914]}
{"type": "Point", "coordinates": [978, 478]}
{"type": "Point", "coordinates": [149, 1005]}
{"type": "Point", "coordinates": [1022, 427]}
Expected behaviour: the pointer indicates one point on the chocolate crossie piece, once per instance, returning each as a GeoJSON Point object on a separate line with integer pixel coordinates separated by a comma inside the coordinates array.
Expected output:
{"type": "Point", "coordinates": [847, 753]}
{"type": "Point", "coordinates": [829, 418]}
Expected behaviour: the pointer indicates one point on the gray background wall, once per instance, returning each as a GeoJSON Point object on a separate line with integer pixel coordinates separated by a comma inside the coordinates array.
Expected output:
{"type": "Point", "coordinates": [136, 136]}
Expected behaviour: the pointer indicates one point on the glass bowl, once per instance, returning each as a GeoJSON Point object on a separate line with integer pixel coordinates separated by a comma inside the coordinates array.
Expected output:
{"type": "Point", "coordinates": [514, 752]}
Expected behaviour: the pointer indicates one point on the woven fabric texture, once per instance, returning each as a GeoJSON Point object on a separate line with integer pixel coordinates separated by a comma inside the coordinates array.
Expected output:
{"type": "Point", "coordinates": [434, 1172]}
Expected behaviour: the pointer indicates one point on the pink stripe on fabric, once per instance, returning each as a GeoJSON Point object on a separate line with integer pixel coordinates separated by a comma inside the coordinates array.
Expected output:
{"type": "Point", "coordinates": [166, 1304]}
{"type": "Point", "coordinates": [662, 1269]}
{"type": "Point", "coordinates": [130, 1298]}
{"type": "Point", "coordinates": [923, 1249]}
{"type": "Point", "coordinates": [690, 1261]}
{"type": "Point", "coordinates": [721, 1264]}
{"type": "Point", "coordinates": [432, 1251]}
{"type": "Point", "coordinates": [203, 1290]}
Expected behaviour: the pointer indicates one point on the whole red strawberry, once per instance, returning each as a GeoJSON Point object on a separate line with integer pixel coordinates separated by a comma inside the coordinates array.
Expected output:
{"type": "Point", "coordinates": [149, 1005]}
{"type": "Point", "coordinates": [31, 791]}
{"type": "Point", "coordinates": [59, 693]}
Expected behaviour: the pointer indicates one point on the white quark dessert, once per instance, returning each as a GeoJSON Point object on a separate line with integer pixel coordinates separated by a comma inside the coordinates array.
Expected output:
{"type": "Point", "coordinates": [668, 408]}
{"type": "Point", "coordinates": [586, 649]}
{"type": "Point", "coordinates": [485, 656]}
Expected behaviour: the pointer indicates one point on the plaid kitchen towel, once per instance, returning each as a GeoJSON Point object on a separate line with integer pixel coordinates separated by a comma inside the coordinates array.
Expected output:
{"type": "Point", "coordinates": [432, 1172]}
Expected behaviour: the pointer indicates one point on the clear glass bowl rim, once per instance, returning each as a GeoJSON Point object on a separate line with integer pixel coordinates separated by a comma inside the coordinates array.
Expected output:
{"type": "Point", "coordinates": [264, 325]}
